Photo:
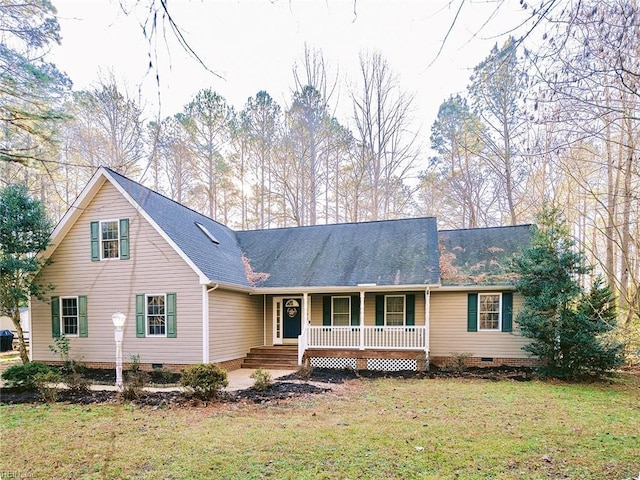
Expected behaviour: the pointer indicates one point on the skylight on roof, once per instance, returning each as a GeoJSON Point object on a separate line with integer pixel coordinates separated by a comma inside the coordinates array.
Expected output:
{"type": "Point", "coordinates": [207, 233]}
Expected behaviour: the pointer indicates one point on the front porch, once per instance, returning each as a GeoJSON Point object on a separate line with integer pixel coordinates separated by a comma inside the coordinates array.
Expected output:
{"type": "Point", "coordinates": [364, 347]}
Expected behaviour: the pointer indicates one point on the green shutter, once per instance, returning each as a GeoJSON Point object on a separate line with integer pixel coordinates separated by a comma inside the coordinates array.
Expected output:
{"type": "Point", "coordinates": [472, 313]}
{"type": "Point", "coordinates": [140, 314]}
{"type": "Point", "coordinates": [355, 310]}
{"type": "Point", "coordinates": [379, 309]}
{"type": "Point", "coordinates": [55, 317]}
{"type": "Point", "coordinates": [95, 241]}
{"type": "Point", "coordinates": [124, 239]}
{"type": "Point", "coordinates": [83, 321]}
{"type": "Point", "coordinates": [411, 309]}
{"type": "Point", "coordinates": [507, 311]}
{"type": "Point", "coordinates": [172, 320]}
{"type": "Point", "coordinates": [326, 310]}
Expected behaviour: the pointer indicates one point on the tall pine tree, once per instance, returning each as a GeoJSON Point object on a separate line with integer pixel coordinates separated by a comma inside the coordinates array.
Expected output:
{"type": "Point", "coordinates": [567, 325]}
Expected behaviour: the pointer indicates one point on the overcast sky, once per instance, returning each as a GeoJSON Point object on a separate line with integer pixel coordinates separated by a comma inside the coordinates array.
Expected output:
{"type": "Point", "coordinates": [253, 44]}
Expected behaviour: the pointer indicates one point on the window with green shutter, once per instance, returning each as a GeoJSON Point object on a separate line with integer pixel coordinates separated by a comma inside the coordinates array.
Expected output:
{"type": "Point", "coordinates": [490, 311]}
{"type": "Point", "coordinates": [110, 240]}
{"type": "Point", "coordinates": [156, 315]}
{"type": "Point", "coordinates": [55, 317]}
{"type": "Point", "coordinates": [69, 316]}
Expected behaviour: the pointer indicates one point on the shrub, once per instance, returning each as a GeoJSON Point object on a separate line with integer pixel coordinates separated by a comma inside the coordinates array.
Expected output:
{"type": "Point", "coordinates": [134, 383]}
{"type": "Point", "coordinates": [161, 375]}
{"type": "Point", "coordinates": [305, 371]}
{"type": "Point", "coordinates": [262, 380]}
{"type": "Point", "coordinates": [76, 382]}
{"type": "Point", "coordinates": [458, 362]}
{"type": "Point", "coordinates": [46, 385]}
{"type": "Point", "coordinates": [205, 380]}
{"type": "Point", "coordinates": [24, 376]}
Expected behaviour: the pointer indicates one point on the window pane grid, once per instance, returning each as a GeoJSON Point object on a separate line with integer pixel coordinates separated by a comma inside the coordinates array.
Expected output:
{"type": "Point", "coordinates": [489, 312]}
{"type": "Point", "coordinates": [156, 317]}
{"type": "Point", "coordinates": [110, 241]}
{"type": "Point", "coordinates": [69, 315]}
{"type": "Point", "coordinates": [341, 311]}
{"type": "Point", "coordinates": [395, 311]}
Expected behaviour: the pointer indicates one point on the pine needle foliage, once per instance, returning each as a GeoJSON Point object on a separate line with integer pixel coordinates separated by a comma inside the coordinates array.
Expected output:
{"type": "Point", "coordinates": [570, 327]}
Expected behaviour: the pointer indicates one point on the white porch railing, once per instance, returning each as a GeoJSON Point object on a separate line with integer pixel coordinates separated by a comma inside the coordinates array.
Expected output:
{"type": "Point", "coordinates": [392, 338]}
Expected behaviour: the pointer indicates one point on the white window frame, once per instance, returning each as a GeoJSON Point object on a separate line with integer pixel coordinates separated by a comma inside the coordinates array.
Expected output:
{"type": "Point", "coordinates": [486, 294]}
{"type": "Point", "coordinates": [102, 240]}
{"type": "Point", "coordinates": [63, 316]}
{"type": "Point", "coordinates": [146, 315]}
{"type": "Point", "coordinates": [404, 310]}
{"type": "Point", "coordinates": [348, 313]}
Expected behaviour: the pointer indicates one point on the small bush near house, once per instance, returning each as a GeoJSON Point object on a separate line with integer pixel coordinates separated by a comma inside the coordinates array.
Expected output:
{"type": "Point", "coordinates": [161, 375]}
{"type": "Point", "coordinates": [133, 385]}
{"type": "Point", "coordinates": [458, 362]}
{"type": "Point", "coordinates": [24, 376]}
{"type": "Point", "coordinates": [262, 380]}
{"type": "Point", "coordinates": [72, 369]}
{"type": "Point", "coordinates": [46, 385]}
{"type": "Point", "coordinates": [76, 382]}
{"type": "Point", "coordinates": [134, 380]}
{"type": "Point", "coordinates": [305, 371]}
{"type": "Point", "coordinates": [205, 380]}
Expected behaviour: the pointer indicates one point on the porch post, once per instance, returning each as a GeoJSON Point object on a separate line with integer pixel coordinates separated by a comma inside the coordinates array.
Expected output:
{"type": "Point", "coordinates": [427, 326]}
{"type": "Point", "coordinates": [362, 320]}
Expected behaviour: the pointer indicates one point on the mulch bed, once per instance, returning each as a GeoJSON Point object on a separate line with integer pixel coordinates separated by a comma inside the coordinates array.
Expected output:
{"type": "Point", "coordinates": [291, 386]}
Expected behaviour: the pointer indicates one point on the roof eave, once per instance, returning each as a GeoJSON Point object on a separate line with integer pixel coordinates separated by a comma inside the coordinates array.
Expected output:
{"type": "Point", "coordinates": [342, 288]}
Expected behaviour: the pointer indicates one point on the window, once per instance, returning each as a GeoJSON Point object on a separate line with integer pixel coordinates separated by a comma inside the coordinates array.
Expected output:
{"type": "Point", "coordinates": [156, 315]}
{"type": "Point", "coordinates": [109, 240]}
{"type": "Point", "coordinates": [394, 310]}
{"type": "Point", "coordinates": [69, 316]}
{"type": "Point", "coordinates": [489, 311]}
{"type": "Point", "coordinates": [341, 311]}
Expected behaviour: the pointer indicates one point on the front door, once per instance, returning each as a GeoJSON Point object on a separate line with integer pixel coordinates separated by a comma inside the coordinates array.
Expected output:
{"type": "Point", "coordinates": [291, 318]}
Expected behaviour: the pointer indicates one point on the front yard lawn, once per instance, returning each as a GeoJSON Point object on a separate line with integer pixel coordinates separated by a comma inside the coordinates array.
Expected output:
{"type": "Point", "coordinates": [365, 428]}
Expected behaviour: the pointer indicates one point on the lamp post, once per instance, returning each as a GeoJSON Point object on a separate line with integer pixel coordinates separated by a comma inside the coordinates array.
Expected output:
{"type": "Point", "coordinates": [118, 322]}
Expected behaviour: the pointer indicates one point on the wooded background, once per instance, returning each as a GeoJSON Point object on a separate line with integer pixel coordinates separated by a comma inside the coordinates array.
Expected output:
{"type": "Point", "coordinates": [555, 121]}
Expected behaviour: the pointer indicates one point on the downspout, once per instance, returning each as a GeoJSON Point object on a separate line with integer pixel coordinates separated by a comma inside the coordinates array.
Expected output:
{"type": "Point", "coordinates": [362, 294]}
{"type": "Point", "coordinates": [205, 321]}
{"type": "Point", "coordinates": [427, 323]}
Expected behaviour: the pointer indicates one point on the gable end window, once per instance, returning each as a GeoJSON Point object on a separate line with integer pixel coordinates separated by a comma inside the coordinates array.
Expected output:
{"type": "Point", "coordinates": [69, 316]}
{"type": "Point", "coordinates": [156, 315]}
{"type": "Point", "coordinates": [110, 239]}
{"type": "Point", "coordinates": [490, 312]}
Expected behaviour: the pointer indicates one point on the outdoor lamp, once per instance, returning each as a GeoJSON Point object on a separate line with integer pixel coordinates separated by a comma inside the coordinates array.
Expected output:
{"type": "Point", "coordinates": [118, 319]}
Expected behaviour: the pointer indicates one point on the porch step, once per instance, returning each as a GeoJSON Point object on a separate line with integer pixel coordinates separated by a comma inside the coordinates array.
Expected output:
{"type": "Point", "coordinates": [278, 357]}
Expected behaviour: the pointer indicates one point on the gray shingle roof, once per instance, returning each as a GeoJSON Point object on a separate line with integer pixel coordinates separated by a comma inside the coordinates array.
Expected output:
{"type": "Point", "coordinates": [481, 256]}
{"type": "Point", "coordinates": [387, 252]}
{"type": "Point", "coordinates": [390, 252]}
{"type": "Point", "coordinates": [219, 262]}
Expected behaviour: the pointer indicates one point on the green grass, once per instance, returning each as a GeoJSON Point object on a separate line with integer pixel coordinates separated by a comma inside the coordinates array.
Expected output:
{"type": "Point", "coordinates": [385, 428]}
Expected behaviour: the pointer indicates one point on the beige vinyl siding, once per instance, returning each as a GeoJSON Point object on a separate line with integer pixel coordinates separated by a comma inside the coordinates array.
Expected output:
{"type": "Point", "coordinates": [369, 307]}
{"type": "Point", "coordinates": [449, 330]}
{"type": "Point", "coordinates": [236, 323]}
{"type": "Point", "coordinates": [111, 285]}
{"type": "Point", "coordinates": [268, 332]}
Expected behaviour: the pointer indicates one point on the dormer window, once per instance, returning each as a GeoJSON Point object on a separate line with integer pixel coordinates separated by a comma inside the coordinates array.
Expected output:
{"type": "Point", "coordinates": [209, 235]}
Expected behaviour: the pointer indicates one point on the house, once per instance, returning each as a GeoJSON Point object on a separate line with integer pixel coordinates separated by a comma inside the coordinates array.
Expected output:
{"type": "Point", "coordinates": [387, 295]}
